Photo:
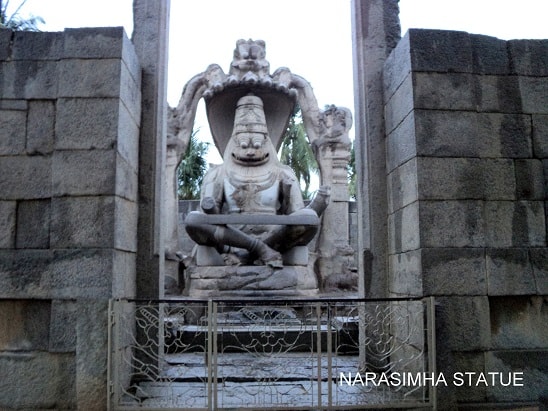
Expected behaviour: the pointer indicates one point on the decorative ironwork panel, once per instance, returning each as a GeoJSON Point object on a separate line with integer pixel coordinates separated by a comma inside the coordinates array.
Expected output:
{"type": "Point", "coordinates": [271, 354]}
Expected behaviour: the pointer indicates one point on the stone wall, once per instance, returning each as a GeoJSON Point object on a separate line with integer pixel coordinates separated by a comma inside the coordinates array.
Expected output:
{"type": "Point", "coordinates": [466, 121]}
{"type": "Point", "coordinates": [69, 126]}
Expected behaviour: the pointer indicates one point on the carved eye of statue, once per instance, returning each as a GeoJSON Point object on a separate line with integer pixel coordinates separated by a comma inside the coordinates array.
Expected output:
{"type": "Point", "coordinates": [257, 141]}
{"type": "Point", "coordinates": [244, 144]}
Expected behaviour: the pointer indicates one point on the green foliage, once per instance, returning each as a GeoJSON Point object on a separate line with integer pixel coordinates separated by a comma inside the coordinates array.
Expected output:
{"type": "Point", "coordinates": [192, 169]}
{"type": "Point", "coordinates": [15, 21]}
{"type": "Point", "coordinates": [297, 153]}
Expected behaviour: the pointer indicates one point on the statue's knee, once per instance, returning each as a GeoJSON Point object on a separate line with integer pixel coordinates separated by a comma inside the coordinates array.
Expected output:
{"type": "Point", "coordinates": [303, 234]}
{"type": "Point", "coordinates": [199, 232]}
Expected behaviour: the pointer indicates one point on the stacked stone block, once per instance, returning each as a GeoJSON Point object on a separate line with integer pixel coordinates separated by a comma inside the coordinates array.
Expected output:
{"type": "Point", "coordinates": [467, 198]}
{"type": "Point", "coordinates": [69, 126]}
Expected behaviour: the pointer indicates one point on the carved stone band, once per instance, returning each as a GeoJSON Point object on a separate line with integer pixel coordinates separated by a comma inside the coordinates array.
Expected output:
{"type": "Point", "coordinates": [200, 218]}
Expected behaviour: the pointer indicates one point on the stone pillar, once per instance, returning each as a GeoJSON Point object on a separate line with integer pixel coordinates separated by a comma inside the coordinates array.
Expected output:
{"type": "Point", "coordinates": [336, 257]}
{"type": "Point", "coordinates": [376, 31]}
{"type": "Point", "coordinates": [150, 37]}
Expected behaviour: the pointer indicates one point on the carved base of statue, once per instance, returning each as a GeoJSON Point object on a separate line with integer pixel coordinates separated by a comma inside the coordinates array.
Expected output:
{"type": "Point", "coordinates": [251, 281]}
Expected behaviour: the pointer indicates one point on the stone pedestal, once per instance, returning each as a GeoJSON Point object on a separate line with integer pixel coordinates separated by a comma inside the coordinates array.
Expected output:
{"type": "Point", "coordinates": [251, 281]}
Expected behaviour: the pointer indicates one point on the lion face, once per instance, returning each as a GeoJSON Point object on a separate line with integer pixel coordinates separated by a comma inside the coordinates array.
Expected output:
{"type": "Point", "coordinates": [250, 149]}
{"type": "Point", "coordinates": [249, 55]}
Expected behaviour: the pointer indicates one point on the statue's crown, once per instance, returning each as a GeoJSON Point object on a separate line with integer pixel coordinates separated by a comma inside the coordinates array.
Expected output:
{"type": "Point", "coordinates": [249, 116]}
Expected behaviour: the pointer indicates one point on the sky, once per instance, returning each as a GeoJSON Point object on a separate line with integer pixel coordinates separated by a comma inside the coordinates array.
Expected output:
{"type": "Point", "coordinates": [311, 37]}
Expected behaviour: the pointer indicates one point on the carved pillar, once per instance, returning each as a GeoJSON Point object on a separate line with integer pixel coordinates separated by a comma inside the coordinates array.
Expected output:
{"type": "Point", "coordinates": [375, 31]}
{"type": "Point", "coordinates": [150, 37]}
{"type": "Point", "coordinates": [335, 256]}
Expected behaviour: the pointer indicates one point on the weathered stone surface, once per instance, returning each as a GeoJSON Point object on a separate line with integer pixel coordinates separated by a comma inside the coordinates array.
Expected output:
{"type": "Point", "coordinates": [403, 229]}
{"type": "Point", "coordinates": [28, 177]}
{"type": "Point", "coordinates": [533, 365]}
{"type": "Point", "coordinates": [529, 57]}
{"type": "Point", "coordinates": [84, 273]}
{"type": "Point", "coordinates": [12, 132]}
{"type": "Point", "coordinates": [11, 104]}
{"type": "Point", "coordinates": [497, 94]}
{"type": "Point", "coordinates": [405, 274]}
{"type": "Point", "coordinates": [84, 172]}
{"type": "Point", "coordinates": [509, 272]}
{"type": "Point", "coordinates": [539, 262]}
{"type": "Point", "coordinates": [82, 222]}
{"type": "Point", "coordinates": [451, 224]}
{"type": "Point", "coordinates": [462, 323]}
{"type": "Point", "coordinates": [443, 91]}
{"type": "Point", "coordinates": [33, 223]}
{"type": "Point", "coordinates": [518, 322]}
{"type": "Point", "coordinates": [97, 125]}
{"type": "Point", "coordinates": [466, 178]}
{"type": "Point", "coordinates": [514, 224]}
{"type": "Point", "coordinates": [93, 43]}
{"type": "Point", "coordinates": [69, 274]}
{"type": "Point", "coordinates": [91, 351]}
{"type": "Point", "coordinates": [402, 186]}
{"type": "Point", "coordinates": [5, 46]}
{"type": "Point", "coordinates": [130, 91]}
{"type": "Point", "coordinates": [400, 143]}
{"type": "Point", "coordinates": [28, 45]}
{"type": "Point", "coordinates": [125, 225]}
{"type": "Point", "coordinates": [126, 180]}
{"type": "Point", "coordinates": [62, 327]}
{"type": "Point", "coordinates": [251, 281]}
{"type": "Point", "coordinates": [465, 362]}
{"type": "Point", "coordinates": [466, 134]}
{"type": "Point", "coordinates": [24, 325]}
{"type": "Point", "coordinates": [440, 51]}
{"type": "Point", "coordinates": [21, 272]}
{"type": "Point", "coordinates": [40, 127]}
{"type": "Point", "coordinates": [38, 381]}
{"type": "Point", "coordinates": [534, 94]}
{"type": "Point", "coordinates": [208, 256]}
{"type": "Point", "coordinates": [32, 79]}
{"type": "Point", "coordinates": [296, 256]}
{"type": "Point", "coordinates": [489, 55]}
{"type": "Point", "coordinates": [128, 137]}
{"type": "Point", "coordinates": [123, 274]}
{"type": "Point", "coordinates": [468, 223]}
{"type": "Point", "coordinates": [7, 223]}
{"type": "Point", "coordinates": [540, 136]}
{"type": "Point", "coordinates": [454, 271]}
{"type": "Point", "coordinates": [529, 180]}
{"type": "Point", "coordinates": [89, 78]}
{"type": "Point", "coordinates": [130, 59]}
{"type": "Point", "coordinates": [399, 105]}
{"type": "Point", "coordinates": [397, 67]}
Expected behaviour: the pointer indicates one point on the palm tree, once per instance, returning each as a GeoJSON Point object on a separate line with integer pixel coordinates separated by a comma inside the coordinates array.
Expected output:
{"type": "Point", "coordinates": [297, 153]}
{"type": "Point", "coordinates": [192, 169]}
{"type": "Point", "coordinates": [15, 21]}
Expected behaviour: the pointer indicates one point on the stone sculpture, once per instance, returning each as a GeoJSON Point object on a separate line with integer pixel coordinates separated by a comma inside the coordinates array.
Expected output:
{"type": "Point", "coordinates": [252, 220]}
{"type": "Point", "coordinates": [252, 182]}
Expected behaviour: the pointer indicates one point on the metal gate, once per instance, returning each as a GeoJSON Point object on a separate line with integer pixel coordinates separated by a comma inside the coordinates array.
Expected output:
{"type": "Point", "coordinates": [271, 354]}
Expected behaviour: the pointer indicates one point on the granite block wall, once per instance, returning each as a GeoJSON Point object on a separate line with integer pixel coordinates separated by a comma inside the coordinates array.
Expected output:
{"type": "Point", "coordinates": [466, 158]}
{"type": "Point", "coordinates": [69, 126]}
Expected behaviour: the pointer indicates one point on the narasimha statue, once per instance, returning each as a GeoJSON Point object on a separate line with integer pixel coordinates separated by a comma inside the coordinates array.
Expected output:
{"type": "Point", "coordinates": [252, 182]}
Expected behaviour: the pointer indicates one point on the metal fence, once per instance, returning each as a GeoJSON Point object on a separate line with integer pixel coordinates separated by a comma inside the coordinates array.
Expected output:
{"type": "Point", "coordinates": [271, 354]}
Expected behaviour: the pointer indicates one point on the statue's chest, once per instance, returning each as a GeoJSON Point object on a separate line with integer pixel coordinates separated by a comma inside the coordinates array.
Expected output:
{"type": "Point", "coordinates": [259, 196]}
